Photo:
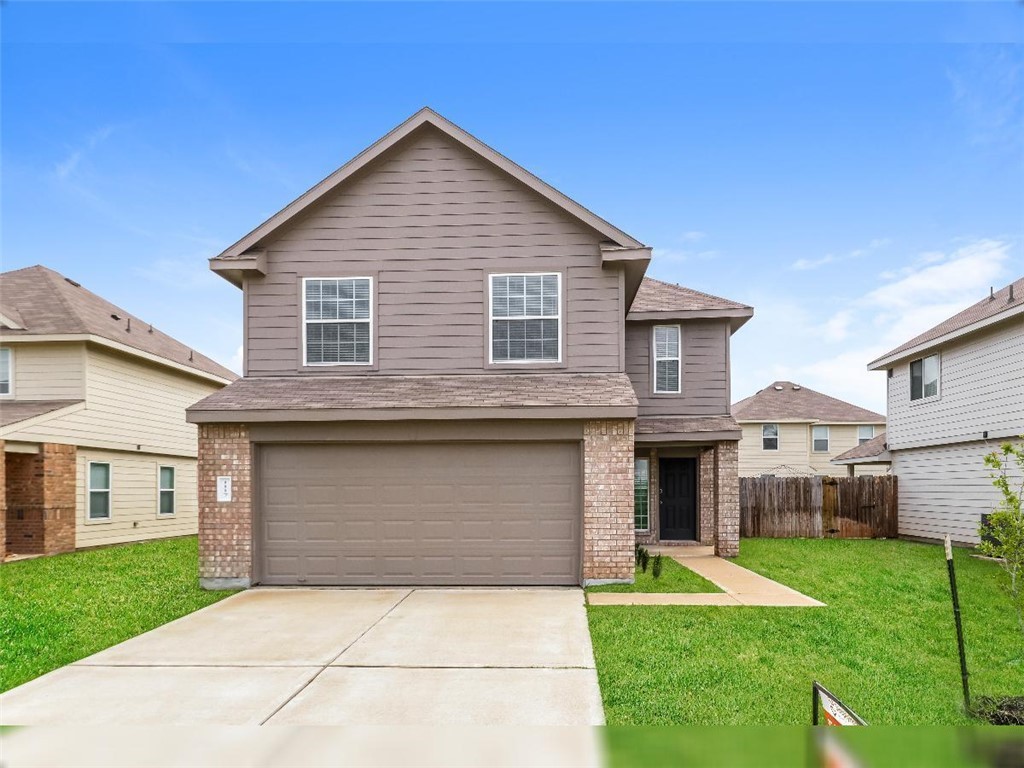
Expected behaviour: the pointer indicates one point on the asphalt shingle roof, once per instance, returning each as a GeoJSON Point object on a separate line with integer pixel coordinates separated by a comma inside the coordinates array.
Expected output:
{"type": "Point", "coordinates": [868, 450]}
{"type": "Point", "coordinates": [786, 401]}
{"type": "Point", "coordinates": [658, 296]}
{"type": "Point", "coordinates": [13, 411]}
{"type": "Point", "coordinates": [988, 307]}
{"type": "Point", "coordinates": [657, 425]}
{"type": "Point", "coordinates": [304, 393]}
{"type": "Point", "coordinates": [44, 302]}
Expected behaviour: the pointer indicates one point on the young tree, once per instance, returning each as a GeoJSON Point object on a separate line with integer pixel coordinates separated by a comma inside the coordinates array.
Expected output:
{"type": "Point", "coordinates": [1003, 534]}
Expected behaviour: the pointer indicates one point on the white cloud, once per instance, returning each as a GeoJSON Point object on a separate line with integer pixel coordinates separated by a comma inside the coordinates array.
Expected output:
{"type": "Point", "coordinates": [66, 167]}
{"type": "Point", "coordinates": [693, 236]}
{"type": "Point", "coordinates": [680, 255]}
{"type": "Point", "coordinates": [877, 243]}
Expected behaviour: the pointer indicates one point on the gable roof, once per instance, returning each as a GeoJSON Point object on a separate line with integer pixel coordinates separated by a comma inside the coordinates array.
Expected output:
{"type": "Point", "coordinates": [786, 401]}
{"type": "Point", "coordinates": [873, 451]}
{"type": "Point", "coordinates": [15, 411]}
{"type": "Point", "coordinates": [424, 117]}
{"type": "Point", "coordinates": [996, 307]}
{"type": "Point", "coordinates": [37, 301]}
{"type": "Point", "coordinates": [657, 300]}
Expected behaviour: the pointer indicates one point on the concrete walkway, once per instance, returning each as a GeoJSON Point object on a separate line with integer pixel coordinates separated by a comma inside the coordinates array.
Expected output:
{"type": "Point", "coordinates": [739, 586]}
{"type": "Point", "coordinates": [411, 657]}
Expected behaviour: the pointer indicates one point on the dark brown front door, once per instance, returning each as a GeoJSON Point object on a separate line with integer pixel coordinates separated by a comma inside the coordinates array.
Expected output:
{"type": "Point", "coordinates": [678, 498]}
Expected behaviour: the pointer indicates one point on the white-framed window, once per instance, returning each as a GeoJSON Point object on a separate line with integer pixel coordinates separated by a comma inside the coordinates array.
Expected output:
{"type": "Point", "coordinates": [337, 320]}
{"type": "Point", "coordinates": [865, 432]}
{"type": "Point", "coordinates": [667, 358]}
{"type": "Point", "coordinates": [99, 491]}
{"type": "Point", "coordinates": [526, 318]}
{"type": "Point", "coordinates": [6, 371]}
{"type": "Point", "coordinates": [819, 439]}
{"type": "Point", "coordinates": [165, 492]}
{"type": "Point", "coordinates": [642, 494]}
{"type": "Point", "coordinates": [924, 377]}
{"type": "Point", "coordinates": [769, 437]}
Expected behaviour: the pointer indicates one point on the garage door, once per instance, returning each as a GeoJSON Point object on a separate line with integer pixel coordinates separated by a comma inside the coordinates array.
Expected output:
{"type": "Point", "coordinates": [437, 513]}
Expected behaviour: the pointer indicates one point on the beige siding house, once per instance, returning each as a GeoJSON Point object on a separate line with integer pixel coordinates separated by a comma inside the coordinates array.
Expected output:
{"type": "Point", "coordinates": [92, 420]}
{"type": "Point", "coordinates": [457, 375]}
{"type": "Point", "coordinates": [790, 430]}
{"type": "Point", "coordinates": [954, 394]}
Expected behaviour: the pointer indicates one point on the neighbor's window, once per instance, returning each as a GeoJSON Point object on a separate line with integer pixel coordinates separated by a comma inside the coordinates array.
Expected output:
{"type": "Point", "coordinates": [99, 490]}
{"type": "Point", "coordinates": [924, 377]}
{"type": "Point", "coordinates": [666, 358]}
{"type": "Point", "coordinates": [770, 437]}
{"type": "Point", "coordinates": [819, 436]}
{"type": "Point", "coordinates": [337, 320]}
{"type": "Point", "coordinates": [5, 371]}
{"type": "Point", "coordinates": [641, 494]}
{"type": "Point", "coordinates": [865, 433]}
{"type": "Point", "coordinates": [526, 318]}
{"type": "Point", "coordinates": [166, 491]}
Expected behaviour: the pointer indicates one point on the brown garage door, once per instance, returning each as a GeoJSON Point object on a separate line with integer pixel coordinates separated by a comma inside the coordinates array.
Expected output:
{"type": "Point", "coordinates": [437, 513]}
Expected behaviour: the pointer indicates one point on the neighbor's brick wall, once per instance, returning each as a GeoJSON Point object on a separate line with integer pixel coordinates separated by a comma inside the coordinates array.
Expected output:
{"type": "Point", "coordinates": [727, 543]}
{"type": "Point", "coordinates": [608, 536]}
{"type": "Point", "coordinates": [706, 500]}
{"type": "Point", "coordinates": [40, 500]}
{"type": "Point", "coordinates": [225, 528]}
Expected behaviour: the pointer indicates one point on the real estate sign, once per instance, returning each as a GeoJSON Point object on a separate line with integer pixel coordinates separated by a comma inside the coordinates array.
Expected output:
{"type": "Point", "coordinates": [832, 710]}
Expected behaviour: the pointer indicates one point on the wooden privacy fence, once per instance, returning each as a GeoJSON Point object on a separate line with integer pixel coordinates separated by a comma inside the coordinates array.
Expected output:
{"type": "Point", "coordinates": [819, 507]}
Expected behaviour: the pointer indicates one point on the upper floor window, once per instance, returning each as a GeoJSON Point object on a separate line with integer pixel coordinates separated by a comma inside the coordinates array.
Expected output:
{"type": "Point", "coordinates": [666, 358]}
{"type": "Point", "coordinates": [526, 318]}
{"type": "Point", "coordinates": [819, 439]}
{"type": "Point", "coordinates": [337, 320]}
{"type": "Point", "coordinates": [865, 433]}
{"type": "Point", "coordinates": [6, 371]}
{"type": "Point", "coordinates": [924, 377]}
{"type": "Point", "coordinates": [770, 437]}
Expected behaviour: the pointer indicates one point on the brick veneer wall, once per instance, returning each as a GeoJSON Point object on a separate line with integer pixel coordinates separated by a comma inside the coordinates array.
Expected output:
{"type": "Point", "coordinates": [706, 502]}
{"type": "Point", "coordinates": [608, 535]}
{"type": "Point", "coordinates": [225, 528]}
{"type": "Point", "coordinates": [39, 495]}
{"type": "Point", "coordinates": [727, 542]}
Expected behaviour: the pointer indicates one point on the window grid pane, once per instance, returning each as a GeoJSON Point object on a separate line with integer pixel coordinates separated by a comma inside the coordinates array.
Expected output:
{"type": "Point", "coordinates": [667, 376]}
{"type": "Point", "coordinates": [525, 322]}
{"type": "Point", "coordinates": [166, 478]}
{"type": "Point", "coordinates": [641, 495]}
{"type": "Point", "coordinates": [338, 316]}
{"type": "Point", "coordinates": [166, 502]}
{"type": "Point", "coordinates": [99, 477]}
{"type": "Point", "coordinates": [99, 505]}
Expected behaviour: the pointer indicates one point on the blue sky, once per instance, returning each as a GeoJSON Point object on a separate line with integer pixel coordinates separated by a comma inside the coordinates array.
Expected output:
{"type": "Point", "coordinates": [853, 170]}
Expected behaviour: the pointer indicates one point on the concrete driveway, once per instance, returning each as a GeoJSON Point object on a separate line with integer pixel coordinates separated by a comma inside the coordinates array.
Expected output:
{"type": "Point", "coordinates": [338, 657]}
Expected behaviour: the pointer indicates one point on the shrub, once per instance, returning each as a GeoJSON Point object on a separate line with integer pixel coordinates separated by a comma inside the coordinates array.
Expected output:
{"type": "Point", "coordinates": [1002, 533]}
{"type": "Point", "coordinates": [645, 559]}
{"type": "Point", "coordinates": [656, 567]}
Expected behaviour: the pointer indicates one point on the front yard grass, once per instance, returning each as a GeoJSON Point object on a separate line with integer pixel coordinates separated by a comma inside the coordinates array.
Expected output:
{"type": "Point", "coordinates": [885, 643]}
{"type": "Point", "coordinates": [674, 578]}
{"type": "Point", "coordinates": [56, 610]}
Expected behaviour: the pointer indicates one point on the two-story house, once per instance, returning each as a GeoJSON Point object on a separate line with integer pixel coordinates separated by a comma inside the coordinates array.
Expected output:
{"type": "Point", "coordinates": [955, 392]}
{"type": "Point", "coordinates": [790, 430]}
{"type": "Point", "coordinates": [454, 374]}
{"type": "Point", "coordinates": [95, 444]}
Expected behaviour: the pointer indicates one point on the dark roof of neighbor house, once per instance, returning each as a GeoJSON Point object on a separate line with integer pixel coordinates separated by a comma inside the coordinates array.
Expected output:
{"type": "Point", "coordinates": [659, 296]}
{"type": "Point", "coordinates": [871, 449]}
{"type": "Point", "coordinates": [13, 411]}
{"type": "Point", "coordinates": [421, 393]}
{"type": "Point", "coordinates": [997, 302]}
{"type": "Point", "coordinates": [786, 401]}
{"type": "Point", "coordinates": [44, 302]}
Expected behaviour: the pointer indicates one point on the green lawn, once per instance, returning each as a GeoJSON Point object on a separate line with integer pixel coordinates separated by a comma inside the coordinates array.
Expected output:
{"type": "Point", "coordinates": [674, 578]}
{"type": "Point", "coordinates": [885, 643]}
{"type": "Point", "coordinates": [56, 610]}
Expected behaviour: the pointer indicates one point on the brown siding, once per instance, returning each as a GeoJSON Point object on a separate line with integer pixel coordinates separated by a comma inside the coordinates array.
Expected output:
{"type": "Point", "coordinates": [429, 223]}
{"type": "Point", "coordinates": [705, 378]}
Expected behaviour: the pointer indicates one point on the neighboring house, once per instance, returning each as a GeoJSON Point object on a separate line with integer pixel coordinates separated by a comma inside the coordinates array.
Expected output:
{"type": "Point", "coordinates": [790, 430]}
{"type": "Point", "coordinates": [451, 373]}
{"type": "Point", "coordinates": [92, 420]}
{"type": "Point", "coordinates": [955, 393]}
{"type": "Point", "coordinates": [873, 453]}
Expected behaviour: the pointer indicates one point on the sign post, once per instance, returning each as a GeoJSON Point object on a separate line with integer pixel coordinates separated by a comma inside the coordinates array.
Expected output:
{"type": "Point", "coordinates": [959, 624]}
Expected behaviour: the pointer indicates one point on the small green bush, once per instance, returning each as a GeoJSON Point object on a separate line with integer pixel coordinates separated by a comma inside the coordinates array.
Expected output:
{"type": "Point", "coordinates": [645, 559]}
{"type": "Point", "coordinates": [656, 567]}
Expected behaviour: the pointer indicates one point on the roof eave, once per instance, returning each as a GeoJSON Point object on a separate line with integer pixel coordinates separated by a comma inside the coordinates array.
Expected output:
{"type": "Point", "coordinates": [258, 415]}
{"type": "Point", "coordinates": [736, 317]}
{"type": "Point", "coordinates": [879, 458]}
{"type": "Point", "coordinates": [890, 358]}
{"type": "Point", "coordinates": [236, 270]}
{"type": "Point", "coordinates": [632, 261]}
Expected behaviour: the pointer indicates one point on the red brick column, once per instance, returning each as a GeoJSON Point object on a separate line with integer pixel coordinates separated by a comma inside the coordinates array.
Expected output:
{"type": "Point", "coordinates": [727, 540]}
{"type": "Point", "coordinates": [707, 485]}
{"type": "Point", "coordinates": [608, 535]}
{"type": "Point", "coordinates": [58, 469]}
{"type": "Point", "coordinates": [225, 528]}
{"type": "Point", "coordinates": [3, 502]}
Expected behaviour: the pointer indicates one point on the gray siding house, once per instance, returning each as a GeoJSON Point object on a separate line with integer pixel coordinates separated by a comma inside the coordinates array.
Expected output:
{"type": "Point", "coordinates": [454, 374]}
{"type": "Point", "coordinates": [954, 394]}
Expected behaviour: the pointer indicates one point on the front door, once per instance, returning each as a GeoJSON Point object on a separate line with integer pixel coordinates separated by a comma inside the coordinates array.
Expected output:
{"type": "Point", "coordinates": [678, 498]}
